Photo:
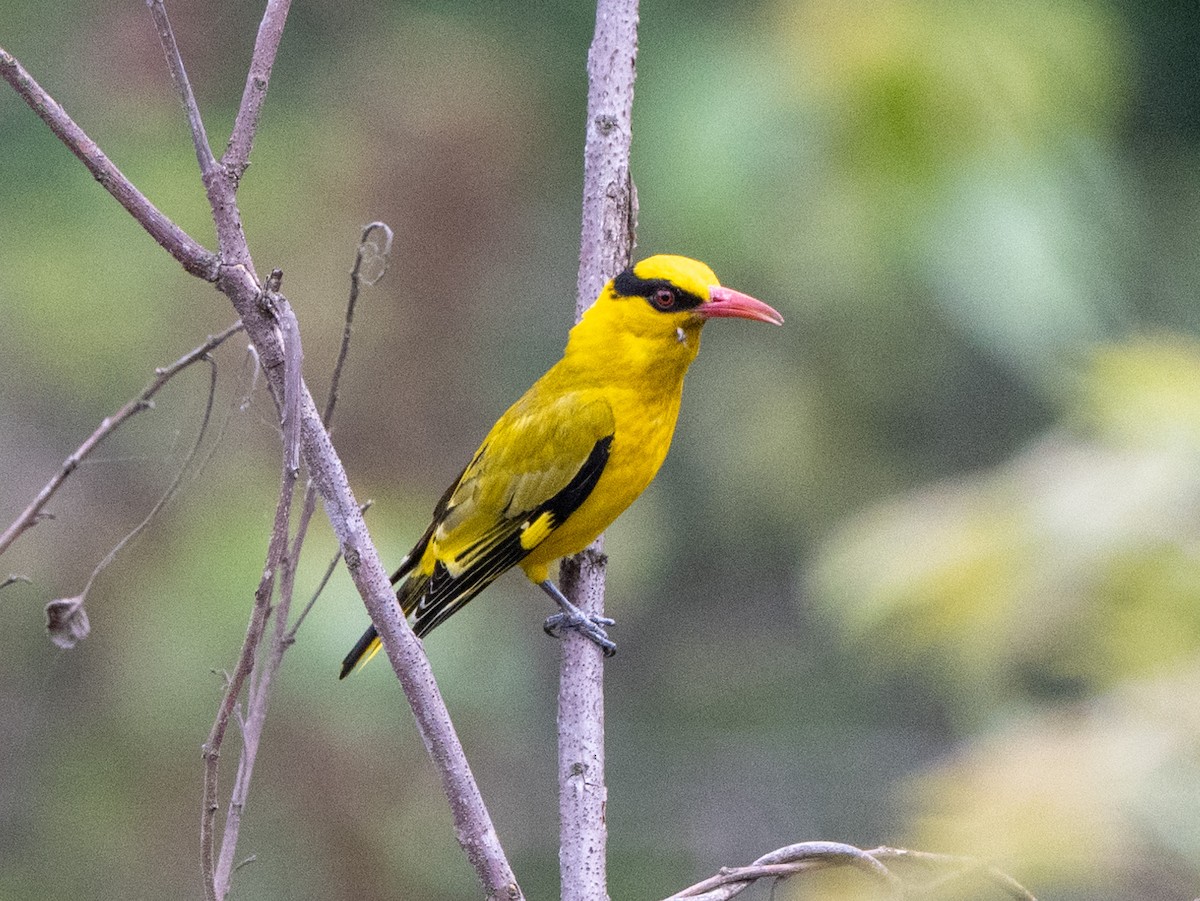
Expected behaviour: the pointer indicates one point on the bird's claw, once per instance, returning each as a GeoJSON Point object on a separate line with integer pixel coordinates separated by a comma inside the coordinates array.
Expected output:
{"type": "Point", "coordinates": [591, 626]}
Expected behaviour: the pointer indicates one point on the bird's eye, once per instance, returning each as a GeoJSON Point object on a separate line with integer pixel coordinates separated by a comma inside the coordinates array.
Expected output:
{"type": "Point", "coordinates": [664, 299]}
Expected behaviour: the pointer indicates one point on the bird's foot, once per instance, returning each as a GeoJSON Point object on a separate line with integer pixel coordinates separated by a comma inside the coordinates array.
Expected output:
{"type": "Point", "coordinates": [571, 618]}
{"type": "Point", "coordinates": [589, 626]}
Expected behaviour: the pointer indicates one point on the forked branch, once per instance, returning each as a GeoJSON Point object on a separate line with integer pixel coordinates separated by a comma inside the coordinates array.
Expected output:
{"type": "Point", "coordinates": [235, 276]}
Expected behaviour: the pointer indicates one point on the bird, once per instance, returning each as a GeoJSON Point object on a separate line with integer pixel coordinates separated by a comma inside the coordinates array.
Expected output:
{"type": "Point", "coordinates": [564, 461]}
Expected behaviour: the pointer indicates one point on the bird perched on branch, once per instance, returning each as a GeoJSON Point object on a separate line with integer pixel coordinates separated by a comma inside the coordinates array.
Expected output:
{"type": "Point", "coordinates": [568, 457]}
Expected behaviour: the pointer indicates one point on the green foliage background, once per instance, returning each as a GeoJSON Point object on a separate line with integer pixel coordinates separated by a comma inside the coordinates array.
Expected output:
{"type": "Point", "coordinates": [922, 568]}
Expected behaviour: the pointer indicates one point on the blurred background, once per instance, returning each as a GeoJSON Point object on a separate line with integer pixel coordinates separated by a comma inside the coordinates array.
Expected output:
{"type": "Point", "coordinates": [923, 567]}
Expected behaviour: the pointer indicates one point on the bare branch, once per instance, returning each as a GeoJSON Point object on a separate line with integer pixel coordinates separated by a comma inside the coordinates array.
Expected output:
{"type": "Point", "coordinates": [472, 823]}
{"type": "Point", "coordinates": [264, 670]}
{"type": "Point", "coordinates": [266, 45]}
{"type": "Point", "coordinates": [238, 403]}
{"type": "Point", "coordinates": [606, 245]}
{"type": "Point", "coordinates": [34, 512]}
{"type": "Point", "coordinates": [582, 792]}
{"type": "Point", "coordinates": [171, 489]}
{"type": "Point", "coordinates": [186, 250]}
{"type": "Point", "coordinates": [609, 199]}
{"type": "Point", "coordinates": [66, 618]}
{"type": "Point", "coordinates": [262, 673]}
{"type": "Point", "coordinates": [236, 278]}
{"type": "Point", "coordinates": [375, 255]}
{"type": "Point", "coordinates": [166, 36]}
{"type": "Point", "coordinates": [219, 185]}
{"type": "Point", "coordinates": [807, 856]}
{"type": "Point", "coordinates": [216, 877]}
{"type": "Point", "coordinates": [265, 667]}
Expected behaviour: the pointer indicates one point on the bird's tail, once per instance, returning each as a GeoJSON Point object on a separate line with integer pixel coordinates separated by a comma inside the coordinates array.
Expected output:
{"type": "Point", "coordinates": [366, 648]}
{"type": "Point", "coordinates": [407, 595]}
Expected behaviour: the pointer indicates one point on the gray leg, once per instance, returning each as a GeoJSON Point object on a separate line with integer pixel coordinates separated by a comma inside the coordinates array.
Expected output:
{"type": "Point", "coordinates": [571, 617]}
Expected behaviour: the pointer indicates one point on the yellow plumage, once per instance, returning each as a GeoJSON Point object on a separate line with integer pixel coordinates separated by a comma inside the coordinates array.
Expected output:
{"type": "Point", "coordinates": [581, 444]}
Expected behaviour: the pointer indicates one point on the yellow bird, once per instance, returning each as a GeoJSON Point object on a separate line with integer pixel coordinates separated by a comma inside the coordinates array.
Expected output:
{"type": "Point", "coordinates": [567, 458]}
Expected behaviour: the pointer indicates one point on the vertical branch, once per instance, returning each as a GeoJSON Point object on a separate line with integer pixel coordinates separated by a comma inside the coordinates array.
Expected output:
{"type": "Point", "coordinates": [267, 665]}
{"type": "Point", "coordinates": [279, 558]}
{"type": "Point", "coordinates": [606, 244]}
{"type": "Point", "coordinates": [216, 886]}
{"type": "Point", "coordinates": [609, 198]}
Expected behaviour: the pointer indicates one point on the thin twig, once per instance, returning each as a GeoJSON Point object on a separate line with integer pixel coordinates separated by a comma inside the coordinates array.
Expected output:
{"type": "Point", "coordinates": [368, 249]}
{"type": "Point", "coordinates": [217, 871]}
{"type": "Point", "coordinates": [195, 258]}
{"type": "Point", "coordinates": [788, 861]}
{"type": "Point", "coordinates": [166, 37]}
{"type": "Point", "coordinates": [238, 403]}
{"type": "Point", "coordinates": [171, 489]}
{"type": "Point", "coordinates": [606, 244]}
{"type": "Point", "coordinates": [211, 751]}
{"type": "Point", "coordinates": [377, 257]}
{"type": "Point", "coordinates": [216, 880]}
{"type": "Point", "coordinates": [34, 512]}
{"type": "Point", "coordinates": [262, 672]}
{"type": "Point", "coordinates": [266, 45]}
{"type": "Point", "coordinates": [66, 618]}
{"type": "Point", "coordinates": [219, 185]}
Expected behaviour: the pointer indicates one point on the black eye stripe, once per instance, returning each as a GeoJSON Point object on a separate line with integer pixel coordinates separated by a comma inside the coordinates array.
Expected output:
{"type": "Point", "coordinates": [629, 285]}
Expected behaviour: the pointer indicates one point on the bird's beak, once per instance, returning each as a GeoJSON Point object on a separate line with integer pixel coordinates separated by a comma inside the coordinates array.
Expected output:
{"type": "Point", "coordinates": [727, 302]}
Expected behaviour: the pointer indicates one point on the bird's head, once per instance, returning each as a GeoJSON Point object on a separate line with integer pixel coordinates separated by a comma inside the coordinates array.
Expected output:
{"type": "Point", "coordinates": [647, 320]}
{"type": "Point", "coordinates": [684, 292]}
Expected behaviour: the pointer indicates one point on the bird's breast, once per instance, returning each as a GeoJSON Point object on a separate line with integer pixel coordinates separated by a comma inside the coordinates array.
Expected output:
{"type": "Point", "coordinates": [643, 427]}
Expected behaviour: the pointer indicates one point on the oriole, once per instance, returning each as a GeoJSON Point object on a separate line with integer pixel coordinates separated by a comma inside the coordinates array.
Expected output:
{"type": "Point", "coordinates": [568, 457]}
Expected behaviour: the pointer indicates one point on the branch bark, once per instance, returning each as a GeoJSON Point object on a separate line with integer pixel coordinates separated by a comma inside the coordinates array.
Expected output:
{"type": "Point", "coordinates": [606, 247]}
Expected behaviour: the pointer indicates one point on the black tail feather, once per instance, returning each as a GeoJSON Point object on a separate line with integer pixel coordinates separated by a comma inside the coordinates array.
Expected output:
{"type": "Point", "coordinates": [356, 653]}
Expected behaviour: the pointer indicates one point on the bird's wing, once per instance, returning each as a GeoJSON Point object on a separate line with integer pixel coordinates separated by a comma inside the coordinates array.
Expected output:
{"type": "Point", "coordinates": [538, 464]}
